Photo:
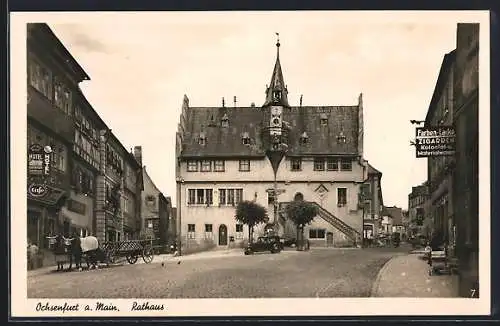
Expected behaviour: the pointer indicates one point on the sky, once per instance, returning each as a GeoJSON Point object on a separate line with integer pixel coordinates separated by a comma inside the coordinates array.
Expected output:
{"type": "Point", "coordinates": [141, 66]}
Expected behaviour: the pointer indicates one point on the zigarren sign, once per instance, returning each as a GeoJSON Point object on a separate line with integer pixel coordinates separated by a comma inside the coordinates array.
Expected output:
{"type": "Point", "coordinates": [435, 141]}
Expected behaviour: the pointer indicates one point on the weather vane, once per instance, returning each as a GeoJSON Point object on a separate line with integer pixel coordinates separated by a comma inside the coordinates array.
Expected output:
{"type": "Point", "coordinates": [278, 36]}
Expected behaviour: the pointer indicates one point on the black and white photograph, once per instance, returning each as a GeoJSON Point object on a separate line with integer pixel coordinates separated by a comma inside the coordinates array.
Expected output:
{"type": "Point", "coordinates": [301, 162]}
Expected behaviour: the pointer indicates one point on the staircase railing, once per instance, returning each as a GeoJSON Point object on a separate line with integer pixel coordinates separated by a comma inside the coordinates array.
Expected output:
{"type": "Point", "coordinates": [340, 225]}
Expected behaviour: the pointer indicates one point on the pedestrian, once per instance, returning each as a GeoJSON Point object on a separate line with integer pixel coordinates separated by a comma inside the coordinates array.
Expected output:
{"type": "Point", "coordinates": [32, 255]}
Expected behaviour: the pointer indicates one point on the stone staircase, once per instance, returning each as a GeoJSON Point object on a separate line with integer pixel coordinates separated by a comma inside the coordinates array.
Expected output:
{"type": "Point", "coordinates": [337, 223]}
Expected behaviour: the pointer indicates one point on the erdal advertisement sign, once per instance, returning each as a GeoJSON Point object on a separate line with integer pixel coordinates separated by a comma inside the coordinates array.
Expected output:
{"type": "Point", "coordinates": [435, 141]}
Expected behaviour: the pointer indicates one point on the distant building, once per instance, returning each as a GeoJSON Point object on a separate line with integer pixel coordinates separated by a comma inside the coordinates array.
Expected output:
{"type": "Point", "coordinates": [419, 221]}
{"type": "Point", "coordinates": [392, 220]}
{"type": "Point", "coordinates": [373, 203]}
{"type": "Point", "coordinates": [221, 160]}
{"type": "Point", "coordinates": [156, 211]}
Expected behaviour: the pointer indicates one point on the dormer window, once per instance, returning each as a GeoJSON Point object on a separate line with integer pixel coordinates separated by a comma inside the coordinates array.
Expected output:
{"type": "Point", "coordinates": [225, 121]}
{"type": "Point", "coordinates": [304, 138]}
{"type": "Point", "coordinates": [323, 119]}
{"type": "Point", "coordinates": [202, 140]}
{"type": "Point", "coordinates": [245, 137]}
{"type": "Point", "coordinates": [341, 137]}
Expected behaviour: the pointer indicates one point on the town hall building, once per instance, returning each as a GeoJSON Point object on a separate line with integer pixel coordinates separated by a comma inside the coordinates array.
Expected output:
{"type": "Point", "coordinates": [225, 155]}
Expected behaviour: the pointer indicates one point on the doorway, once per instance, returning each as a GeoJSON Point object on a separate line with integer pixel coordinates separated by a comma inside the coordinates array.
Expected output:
{"type": "Point", "coordinates": [222, 235]}
{"type": "Point", "coordinates": [329, 239]}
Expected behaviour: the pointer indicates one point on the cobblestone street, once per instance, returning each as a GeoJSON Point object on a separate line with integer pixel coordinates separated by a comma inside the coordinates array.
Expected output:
{"type": "Point", "coordinates": [317, 273]}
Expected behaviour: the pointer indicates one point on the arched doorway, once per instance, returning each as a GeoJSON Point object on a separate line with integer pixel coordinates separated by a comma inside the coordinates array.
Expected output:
{"type": "Point", "coordinates": [222, 235]}
{"type": "Point", "coordinates": [298, 196]}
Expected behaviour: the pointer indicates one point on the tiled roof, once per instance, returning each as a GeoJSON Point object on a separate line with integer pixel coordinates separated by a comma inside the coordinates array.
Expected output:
{"type": "Point", "coordinates": [396, 213]}
{"type": "Point", "coordinates": [227, 141]}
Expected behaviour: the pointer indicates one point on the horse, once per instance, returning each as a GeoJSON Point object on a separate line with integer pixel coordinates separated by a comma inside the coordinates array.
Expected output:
{"type": "Point", "coordinates": [85, 248]}
{"type": "Point", "coordinates": [60, 247]}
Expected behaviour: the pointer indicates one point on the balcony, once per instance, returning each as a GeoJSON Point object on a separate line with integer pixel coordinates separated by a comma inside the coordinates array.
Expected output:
{"type": "Point", "coordinates": [42, 110]}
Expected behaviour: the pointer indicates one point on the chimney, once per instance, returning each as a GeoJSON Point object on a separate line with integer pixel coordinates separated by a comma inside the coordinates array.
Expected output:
{"type": "Point", "coordinates": [223, 103]}
{"type": "Point", "coordinates": [252, 104]}
{"type": "Point", "coordinates": [138, 154]}
{"type": "Point", "coordinates": [235, 100]}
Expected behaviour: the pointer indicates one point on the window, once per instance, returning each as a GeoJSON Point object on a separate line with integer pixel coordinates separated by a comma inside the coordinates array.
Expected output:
{"type": "Point", "coordinates": [332, 164]}
{"type": "Point", "coordinates": [62, 97]}
{"type": "Point", "coordinates": [219, 166]}
{"type": "Point", "coordinates": [341, 138]}
{"type": "Point", "coordinates": [323, 119]}
{"type": "Point", "coordinates": [270, 198]}
{"type": "Point", "coordinates": [40, 78]}
{"type": "Point", "coordinates": [245, 138]}
{"type": "Point", "coordinates": [200, 196]}
{"type": "Point", "coordinates": [244, 165]}
{"type": "Point", "coordinates": [319, 164]}
{"type": "Point", "coordinates": [341, 196]}
{"type": "Point", "coordinates": [208, 231]}
{"type": "Point", "coordinates": [192, 166]}
{"type": "Point", "coordinates": [239, 231]}
{"type": "Point", "coordinates": [296, 164]}
{"type": "Point", "coordinates": [304, 138]}
{"type": "Point", "coordinates": [317, 233]}
{"type": "Point", "coordinates": [206, 166]}
{"type": "Point", "coordinates": [346, 165]}
{"type": "Point", "coordinates": [191, 231]}
{"type": "Point", "coordinates": [202, 140]}
{"type": "Point", "coordinates": [191, 196]}
{"type": "Point", "coordinates": [230, 196]}
{"type": "Point", "coordinates": [222, 196]}
{"type": "Point", "coordinates": [225, 121]}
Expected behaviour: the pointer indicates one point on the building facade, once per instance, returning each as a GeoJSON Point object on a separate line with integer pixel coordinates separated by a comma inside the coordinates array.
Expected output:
{"type": "Point", "coordinates": [419, 222]}
{"type": "Point", "coordinates": [466, 179]}
{"type": "Point", "coordinates": [440, 168]}
{"type": "Point", "coordinates": [156, 211]}
{"type": "Point", "coordinates": [225, 154]}
{"type": "Point", "coordinates": [372, 203]}
{"type": "Point", "coordinates": [68, 160]}
{"type": "Point", "coordinates": [53, 77]}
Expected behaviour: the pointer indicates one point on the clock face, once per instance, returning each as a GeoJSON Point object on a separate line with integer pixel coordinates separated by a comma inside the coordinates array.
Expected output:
{"type": "Point", "coordinates": [276, 110]}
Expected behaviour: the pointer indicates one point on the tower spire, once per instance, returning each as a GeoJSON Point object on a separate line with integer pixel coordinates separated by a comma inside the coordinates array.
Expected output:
{"type": "Point", "coordinates": [276, 92]}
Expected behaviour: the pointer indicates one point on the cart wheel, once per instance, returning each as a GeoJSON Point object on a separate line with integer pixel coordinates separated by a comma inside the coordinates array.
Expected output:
{"type": "Point", "coordinates": [147, 254]}
{"type": "Point", "coordinates": [132, 259]}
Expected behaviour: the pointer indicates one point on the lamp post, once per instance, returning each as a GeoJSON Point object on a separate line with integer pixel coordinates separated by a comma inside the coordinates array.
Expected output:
{"type": "Point", "coordinates": [179, 181]}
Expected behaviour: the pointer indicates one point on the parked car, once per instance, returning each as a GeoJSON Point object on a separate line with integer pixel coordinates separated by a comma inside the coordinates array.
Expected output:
{"type": "Point", "coordinates": [266, 243]}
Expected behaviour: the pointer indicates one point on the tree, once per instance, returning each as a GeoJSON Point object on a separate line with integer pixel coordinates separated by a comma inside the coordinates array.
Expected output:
{"type": "Point", "coordinates": [301, 213]}
{"type": "Point", "coordinates": [251, 214]}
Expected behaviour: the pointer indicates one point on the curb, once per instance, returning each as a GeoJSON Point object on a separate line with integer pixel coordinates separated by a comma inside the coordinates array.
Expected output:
{"type": "Point", "coordinates": [375, 285]}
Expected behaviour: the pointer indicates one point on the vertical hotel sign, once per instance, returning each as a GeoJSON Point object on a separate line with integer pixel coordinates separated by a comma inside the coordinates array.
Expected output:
{"type": "Point", "coordinates": [39, 164]}
{"type": "Point", "coordinates": [435, 141]}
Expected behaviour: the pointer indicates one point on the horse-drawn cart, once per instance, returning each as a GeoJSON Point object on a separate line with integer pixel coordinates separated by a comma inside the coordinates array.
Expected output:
{"type": "Point", "coordinates": [130, 249]}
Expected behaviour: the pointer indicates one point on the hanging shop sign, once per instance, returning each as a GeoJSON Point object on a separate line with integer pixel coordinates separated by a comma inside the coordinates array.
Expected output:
{"type": "Point", "coordinates": [435, 141]}
{"type": "Point", "coordinates": [37, 190]}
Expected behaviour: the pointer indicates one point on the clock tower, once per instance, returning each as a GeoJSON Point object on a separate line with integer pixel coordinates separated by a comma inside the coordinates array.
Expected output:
{"type": "Point", "coordinates": [273, 134]}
